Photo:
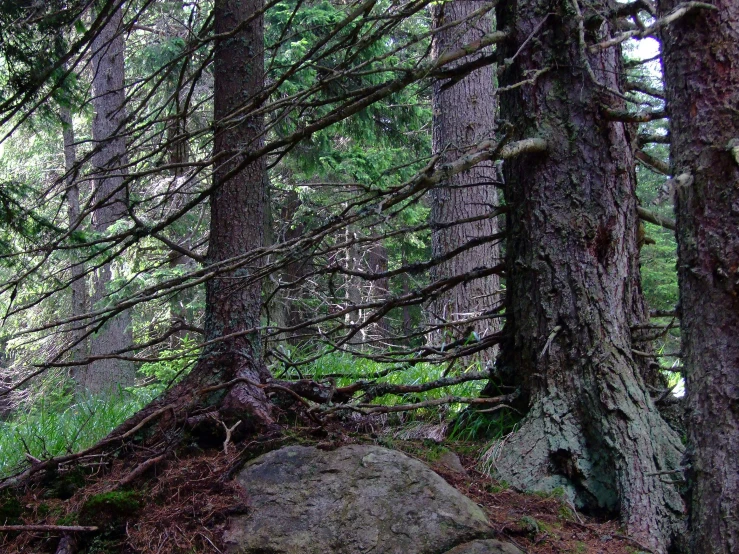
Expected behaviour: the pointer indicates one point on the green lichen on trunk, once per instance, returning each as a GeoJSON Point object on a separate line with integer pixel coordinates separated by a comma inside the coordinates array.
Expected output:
{"type": "Point", "coordinates": [573, 285]}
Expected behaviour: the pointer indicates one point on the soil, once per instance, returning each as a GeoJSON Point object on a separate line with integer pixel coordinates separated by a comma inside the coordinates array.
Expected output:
{"type": "Point", "coordinates": [182, 503]}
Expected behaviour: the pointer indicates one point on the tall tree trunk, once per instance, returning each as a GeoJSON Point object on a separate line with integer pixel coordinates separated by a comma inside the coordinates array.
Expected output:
{"type": "Point", "coordinates": [286, 309]}
{"type": "Point", "coordinates": [109, 160]}
{"type": "Point", "coordinates": [179, 156]}
{"type": "Point", "coordinates": [701, 63]}
{"type": "Point", "coordinates": [79, 301]}
{"type": "Point", "coordinates": [353, 286]}
{"type": "Point", "coordinates": [591, 427]}
{"type": "Point", "coordinates": [233, 301]}
{"type": "Point", "coordinates": [463, 116]}
{"type": "Point", "coordinates": [377, 262]}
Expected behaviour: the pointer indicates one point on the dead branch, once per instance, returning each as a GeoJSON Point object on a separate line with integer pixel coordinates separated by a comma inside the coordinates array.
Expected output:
{"type": "Point", "coordinates": [48, 528]}
{"type": "Point", "coordinates": [375, 390]}
{"type": "Point", "coordinates": [368, 409]}
{"type": "Point", "coordinates": [633, 117]}
{"type": "Point", "coordinates": [651, 217]}
{"type": "Point", "coordinates": [652, 138]}
{"type": "Point", "coordinates": [653, 163]}
{"type": "Point", "coordinates": [644, 89]}
{"type": "Point", "coordinates": [676, 14]}
{"type": "Point", "coordinates": [138, 471]}
{"type": "Point", "coordinates": [228, 430]}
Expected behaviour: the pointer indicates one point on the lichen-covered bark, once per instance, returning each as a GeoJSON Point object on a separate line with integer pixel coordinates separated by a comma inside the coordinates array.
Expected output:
{"type": "Point", "coordinates": [463, 116]}
{"type": "Point", "coordinates": [233, 300]}
{"type": "Point", "coordinates": [571, 256]}
{"type": "Point", "coordinates": [701, 64]}
{"type": "Point", "coordinates": [109, 162]}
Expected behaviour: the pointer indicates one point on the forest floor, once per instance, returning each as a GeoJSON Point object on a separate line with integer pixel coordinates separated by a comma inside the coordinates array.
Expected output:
{"type": "Point", "coordinates": [182, 503]}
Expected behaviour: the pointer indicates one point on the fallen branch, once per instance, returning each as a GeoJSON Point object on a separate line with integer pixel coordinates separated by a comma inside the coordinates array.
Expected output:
{"type": "Point", "coordinates": [375, 390]}
{"type": "Point", "coordinates": [138, 471]}
{"type": "Point", "coordinates": [49, 528]}
{"type": "Point", "coordinates": [368, 409]}
{"type": "Point", "coordinates": [229, 430]}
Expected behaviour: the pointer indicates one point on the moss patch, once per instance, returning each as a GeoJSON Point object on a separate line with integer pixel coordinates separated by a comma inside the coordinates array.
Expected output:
{"type": "Point", "coordinates": [10, 508]}
{"type": "Point", "coordinates": [110, 509]}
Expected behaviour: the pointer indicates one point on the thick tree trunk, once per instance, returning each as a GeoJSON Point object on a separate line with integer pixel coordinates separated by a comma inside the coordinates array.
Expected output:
{"type": "Point", "coordinates": [463, 116]}
{"type": "Point", "coordinates": [591, 428]}
{"type": "Point", "coordinates": [79, 300]}
{"type": "Point", "coordinates": [233, 300]}
{"type": "Point", "coordinates": [701, 57]}
{"type": "Point", "coordinates": [109, 161]}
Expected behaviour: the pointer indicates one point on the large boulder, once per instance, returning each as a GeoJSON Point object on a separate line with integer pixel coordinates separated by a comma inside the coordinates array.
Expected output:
{"type": "Point", "coordinates": [356, 499]}
{"type": "Point", "coordinates": [489, 546]}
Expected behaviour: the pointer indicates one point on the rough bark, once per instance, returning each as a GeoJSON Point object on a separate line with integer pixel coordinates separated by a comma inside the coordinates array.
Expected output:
{"type": "Point", "coordinates": [591, 427]}
{"type": "Point", "coordinates": [701, 57]}
{"type": "Point", "coordinates": [108, 160]}
{"type": "Point", "coordinates": [463, 116]}
{"type": "Point", "coordinates": [233, 300]}
{"type": "Point", "coordinates": [78, 287]}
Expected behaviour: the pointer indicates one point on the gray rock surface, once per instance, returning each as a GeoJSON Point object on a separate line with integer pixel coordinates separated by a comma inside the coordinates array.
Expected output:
{"type": "Point", "coordinates": [356, 499]}
{"type": "Point", "coordinates": [489, 546]}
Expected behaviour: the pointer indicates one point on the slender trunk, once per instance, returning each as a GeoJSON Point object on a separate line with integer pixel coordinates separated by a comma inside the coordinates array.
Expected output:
{"type": "Point", "coordinates": [591, 427]}
{"type": "Point", "coordinates": [287, 311]}
{"type": "Point", "coordinates": [353, 286]}
{"type": "Point", "coordinates": [378, 290]}
{"type": "Point", "coordinates": [78, 287]}
{"type": "Point", "coordinates": [463, 116]}
{"type": "Point", "coordinates": [700, 56]}
{"type": "Point", "coordinates": [110, 197]}
{"type": "Point", "coordinates": [179, 156]}
{"type": "Point", "coordinates": [233, 300]}
{"type": "Point", "coordinates": [407, 324]}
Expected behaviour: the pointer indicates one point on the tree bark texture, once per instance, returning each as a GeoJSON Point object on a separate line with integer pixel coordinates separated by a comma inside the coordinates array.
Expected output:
{"type": "Point", "coordinates": [572, 264]}
{"type": "Point", "coordinates": [109, 161]}
{"type": "Point", "coordinates": [78, 287]}
{"type": "Point", "coordinates": [701, 64]}
{"type": "Point", "coordinates": [233, 300]}
{"type": "Point", "coordinates": [463, 116]}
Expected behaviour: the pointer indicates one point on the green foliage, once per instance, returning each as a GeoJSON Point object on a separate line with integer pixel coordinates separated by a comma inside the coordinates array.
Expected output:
{"type": "Point", "coordinates": [173, 366]}
{"type": "Point", "coordinates": [32, 48]}
{"type": "Point", "coordinates": [56, 425]}
{"type": "Point", "coordinates": [10, 508]}
{"type": "Point", "coordinates": [472, 425]}
{"type": "Point", "coordinates": [347, 369]}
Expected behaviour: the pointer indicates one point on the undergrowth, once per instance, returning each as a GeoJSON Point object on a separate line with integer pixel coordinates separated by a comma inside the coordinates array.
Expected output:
{"type": "Point", "coordinates": [59, 424]}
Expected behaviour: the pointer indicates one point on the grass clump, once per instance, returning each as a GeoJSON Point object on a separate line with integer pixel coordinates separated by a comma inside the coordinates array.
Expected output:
{"type": "Point", "coordinates": [55, 425]}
